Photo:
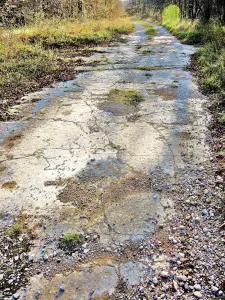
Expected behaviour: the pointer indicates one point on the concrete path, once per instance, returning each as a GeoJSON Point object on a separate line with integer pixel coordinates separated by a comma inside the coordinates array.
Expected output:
{"type": "Point", "coordinates": [84, 163]}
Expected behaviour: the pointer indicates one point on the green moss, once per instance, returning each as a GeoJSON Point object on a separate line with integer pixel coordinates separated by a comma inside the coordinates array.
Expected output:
{"type": "Point", "coordinates": [174, 85]}
{"type": "Point", "coordinates": [129, 97]}
{"type": "Point", "coordinates": [70, 237]}
{"type": "Point", "coordinates": [143, 68]}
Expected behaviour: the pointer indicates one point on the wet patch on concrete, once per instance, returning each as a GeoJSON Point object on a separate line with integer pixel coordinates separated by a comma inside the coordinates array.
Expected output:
{"type": "Point", "coordinates": [167, 93]}
{"type": "Point", "coordinates": [97, 279]}
{"type": "Point", "coordinates": [8, 128]}
{"type": "Point", "coordinates": [97, 169]}
{"type": "Point", "coordinates": [11, 140]}
{"type": "Point", "coordinates": [116, 108]}
{"type": "Point", "coordinates": [101, 182]}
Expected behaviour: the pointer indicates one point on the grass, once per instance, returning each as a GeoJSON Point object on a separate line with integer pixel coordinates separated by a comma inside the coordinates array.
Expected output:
{"type": "Point", "coordinates": [211, 55]}
{"type": "Point", "coordinates": [129, 97]}
{"type": "Point", "coordinates": [174, 85]}
{"type": "Point", "coordinates": [29, 53]}
{"type": "Point", "coordinates": [210, 58]}
{"type": "Point", "coordinates": [71, 237]}
{"type": "Point", "coordinates": [149, 29]}
{"type": "Point", "coordinates": [146, 51]}
{"type": "Point", "coordinates": [143, 68]}
{"type": "Point", "coordinates": [69, 241]}
{"type": "Point", "coordinates": [17, 229]}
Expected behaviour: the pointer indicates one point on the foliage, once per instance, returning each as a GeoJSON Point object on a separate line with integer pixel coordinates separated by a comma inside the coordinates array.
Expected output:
{"type": "Point", "coordinates": [70, 241]}
{"type": "Point", "coordinates": [20, 12]}
{"type": "Point", "coordinates": [143, 68]}
{"type": "Point", "coordinates": [171, 15]}
{"type": "Point", "coordinates": [211, 56]}
{"type": "Point", "coordinates": [16, 229]}
{"type": "Point", "coordinates": [204, 10]}
{"type": "Point", "coordinates": [25, 54]}
{"type": "Point", "coordinates": [129, 97]}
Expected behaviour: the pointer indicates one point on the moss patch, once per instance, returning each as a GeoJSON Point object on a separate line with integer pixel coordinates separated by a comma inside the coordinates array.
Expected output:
{"type": "Point", "coordinates": [143, 68]}
{"type": "Point", "coordinates": [129, 97]}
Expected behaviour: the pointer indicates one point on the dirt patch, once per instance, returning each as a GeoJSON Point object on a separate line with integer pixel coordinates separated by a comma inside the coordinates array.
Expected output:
{"type": "Point", "coordinates": [98, 184]}
{"type": "Point", "coordinates": [9, 185]}
{"type": "Point", "coordinates": [104, 296]}
{"type": "Point", "coordinates": [11, 140]}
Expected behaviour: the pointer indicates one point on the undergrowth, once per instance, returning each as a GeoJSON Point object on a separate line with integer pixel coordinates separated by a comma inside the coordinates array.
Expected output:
{"type": "Point", "coordinates": [30, 52]}
{"type": "Point", "coordinates": [210, 57]}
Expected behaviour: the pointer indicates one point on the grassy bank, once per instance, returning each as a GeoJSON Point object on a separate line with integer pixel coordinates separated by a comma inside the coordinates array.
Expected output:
{"type": "Point", "coordinates": [211, 55]}
{"type": "Point", "coordinates": [31, 53]}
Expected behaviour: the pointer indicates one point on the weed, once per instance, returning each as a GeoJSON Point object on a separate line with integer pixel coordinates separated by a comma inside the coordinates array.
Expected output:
{"type": "Point", "coordinates": [2, 168]}
{"type": "Point", "coordinates": [123, 40]}
{"type": "Point", "coordinates": [146, 51]}
{"type": "Point", "coordinates": [29, 53]}
{"type": "Point", "coordinates": [129, 97]}
{"type": "Point", "coordinates": [70, 241]}
{"type": "Point", "coordinates": [138, 47]}
{"type": "Point", "coordinates": [16, 229]}
{"type": "Point", "coordinates": [174, 85]}
{"type": "Point", "coordinates": [222, 118]}
{"type": "Point", "coordinates": [143, 68]}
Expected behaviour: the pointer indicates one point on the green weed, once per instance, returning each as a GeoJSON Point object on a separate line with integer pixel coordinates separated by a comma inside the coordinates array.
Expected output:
{"type": "Point", "coordinates": [16, 229]}
{"type": "Point", "coordinates": [174, 85]}
{"type": "Point", "coordinates": [69, 241]}
{"type": "Point", "coordinates": [143, 68]}
{"type": "Point", "coordinates": [29, 53]}
{"type": "Point", "coordinates": [146, 51]}
{"type": "Point", "coordinates": [129, 97]}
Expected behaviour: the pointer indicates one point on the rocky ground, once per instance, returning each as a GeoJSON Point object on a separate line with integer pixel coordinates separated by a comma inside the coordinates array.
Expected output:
{"type": "Point", "coordinates": [135, 186]}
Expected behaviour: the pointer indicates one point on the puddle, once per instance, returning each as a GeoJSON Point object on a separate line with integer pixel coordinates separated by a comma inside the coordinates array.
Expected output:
{"type": "Point", "coordinates": [59, 90]}
{"type": "Point", "coordinates": [8, 128]}
{"type": "Point", "coordinates": [103, 168]}
{"type": "Point", "coordinates": [167, 93]}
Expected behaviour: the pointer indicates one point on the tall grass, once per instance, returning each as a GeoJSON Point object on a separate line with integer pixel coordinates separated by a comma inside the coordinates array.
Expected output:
{"type": "Point", "coordinates": [28, 53]}
{"type": "Point", "coordinates": [211, 55]}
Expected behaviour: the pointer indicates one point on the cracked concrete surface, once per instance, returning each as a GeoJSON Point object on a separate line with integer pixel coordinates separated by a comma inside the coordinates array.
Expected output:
{"type": "Point", "coordinates": [81, 135]}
